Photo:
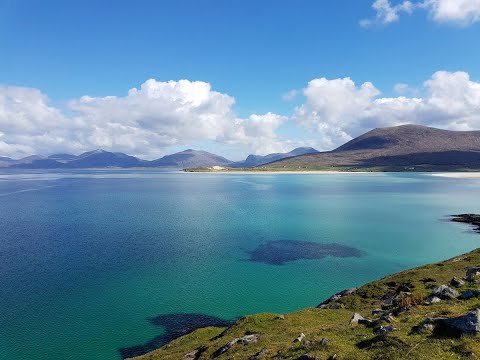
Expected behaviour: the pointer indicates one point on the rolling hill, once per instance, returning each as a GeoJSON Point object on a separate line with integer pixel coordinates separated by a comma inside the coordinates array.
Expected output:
{"type": "Point", "coordinates": [257, 160]}
{"type": "Point", "coordinates": [190, 158]}
{"type": "Point", "coordinates": [405, 147]}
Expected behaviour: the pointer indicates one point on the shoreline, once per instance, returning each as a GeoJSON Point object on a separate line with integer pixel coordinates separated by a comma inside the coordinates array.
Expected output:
{"type": "Point", "coordinates": [459, 175]}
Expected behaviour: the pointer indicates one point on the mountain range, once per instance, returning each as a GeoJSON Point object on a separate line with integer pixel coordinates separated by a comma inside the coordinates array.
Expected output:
{"type": "Point", "coordinates": [398, 148]}
{"type": "Point", "coordinates": [105, 159]}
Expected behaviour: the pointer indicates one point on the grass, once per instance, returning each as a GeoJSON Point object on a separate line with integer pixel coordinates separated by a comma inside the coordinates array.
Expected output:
{"type": "Point", "coordinates": [345, 341]}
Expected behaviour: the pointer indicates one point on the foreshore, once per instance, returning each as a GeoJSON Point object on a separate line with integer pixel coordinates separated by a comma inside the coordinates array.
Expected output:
{"type": "Point", "coordinates": [459, 175]}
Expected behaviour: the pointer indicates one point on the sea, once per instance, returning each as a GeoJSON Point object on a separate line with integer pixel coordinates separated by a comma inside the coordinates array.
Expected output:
{"type": "Point", "coordinates": [105, 264]}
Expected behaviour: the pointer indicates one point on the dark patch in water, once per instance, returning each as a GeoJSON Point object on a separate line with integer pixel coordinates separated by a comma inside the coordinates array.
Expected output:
{"type": "Point", "coordinates": [175, 325]}
{"type": "Point", "coordinates": [280, 252]}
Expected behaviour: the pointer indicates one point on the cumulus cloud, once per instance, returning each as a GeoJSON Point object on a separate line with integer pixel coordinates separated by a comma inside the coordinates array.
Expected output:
{"type": "Point", "coordinates": [157, 115]}
{"type": "Point", "coordinates": [387, 13]}
{"type": "Point", "coordinates": [338, 109]}
{"type": "Point", "coordinates": [457, 12]}
{"type": "Point", "coordinates": [144, 122]}
{"type": "Point", "coordinates": [461, 12]}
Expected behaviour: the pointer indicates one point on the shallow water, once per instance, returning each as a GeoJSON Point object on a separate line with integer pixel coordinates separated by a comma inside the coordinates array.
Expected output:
{"type": "Point", "coordinates": [89, 258]}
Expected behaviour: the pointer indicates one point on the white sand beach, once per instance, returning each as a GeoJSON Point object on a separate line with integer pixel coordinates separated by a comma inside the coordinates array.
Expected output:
{"type": "Point", "coordinates": [459, 175]}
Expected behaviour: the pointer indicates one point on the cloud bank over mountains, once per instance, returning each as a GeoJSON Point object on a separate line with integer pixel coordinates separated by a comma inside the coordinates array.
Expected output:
{"type": "Point", "coordinates": [158, 115]}
{"type": "Point", "coordinates": [455, 12]}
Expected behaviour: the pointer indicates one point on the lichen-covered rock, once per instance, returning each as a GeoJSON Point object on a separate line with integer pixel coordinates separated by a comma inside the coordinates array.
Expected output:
{"type": "Point", "coordinates": [359, 319]}
{"type": "Point", "coordinates": [444, 292]}
{"type": "Point", "coordinates": [336, 297]}
{"type": "Point", "coordinates": [432, 300]}
{"type": "Point", "coordinates": [300, 338]}
{"type": "Point", "coordinates": [384, 330]}
{"type": "Point", "coordinates": [467, 324]}
{"type": "Point", "coordinates": [377, 312]}
{"type": "Point", "coordinates": [244, 340]}
{"type": "Point", "coordinates": [473, 274]}
{"type": "Point", "coordinates": [424, 328]}
{"type": "Point", "coordinates": [456, 282]}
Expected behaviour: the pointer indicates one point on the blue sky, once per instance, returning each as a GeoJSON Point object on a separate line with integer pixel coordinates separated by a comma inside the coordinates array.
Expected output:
{"type": "Point", "coordinates": [253, 50]}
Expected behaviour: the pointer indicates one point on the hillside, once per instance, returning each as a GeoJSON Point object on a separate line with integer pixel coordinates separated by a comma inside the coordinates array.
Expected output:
{"type": "Point", "coordinates": [104, 159]}
{"type": "Point", "coordinates": [430, 312]}
{"type": "Point", "coordinates": [398, 148]}
{"type": "Point", "coordinates": [257, 160]}
{"type": "Point", "coordinates": [190, 158]}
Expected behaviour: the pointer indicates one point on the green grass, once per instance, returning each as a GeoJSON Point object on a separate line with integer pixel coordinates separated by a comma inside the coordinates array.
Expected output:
{"type": "Point", "coordinates": [348, 342]}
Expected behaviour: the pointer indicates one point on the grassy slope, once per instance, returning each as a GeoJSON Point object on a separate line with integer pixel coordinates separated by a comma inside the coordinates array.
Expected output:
{"type": "Point", "coordinates": [345, 341]}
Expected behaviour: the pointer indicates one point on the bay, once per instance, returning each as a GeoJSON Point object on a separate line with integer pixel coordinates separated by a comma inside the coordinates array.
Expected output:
{"type": "Point", "coordinates": [89, 259]}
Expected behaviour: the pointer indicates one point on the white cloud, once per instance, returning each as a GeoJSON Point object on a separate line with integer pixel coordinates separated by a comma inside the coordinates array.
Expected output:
{"type": "Point", "coordinates": [387, 13]}
{"type": "Point", "coordinates": [144, 122]}
{"type": "Point", "coordinates": [461, 12]}
{"type": "Point", "coordinates": [290, 95]}
{"type": "Point", "coordinates": [456, 12]}
{"type": "Point", "coordinates": [338, 109]}
{"type": "Point", "coordinates": [149, 120]}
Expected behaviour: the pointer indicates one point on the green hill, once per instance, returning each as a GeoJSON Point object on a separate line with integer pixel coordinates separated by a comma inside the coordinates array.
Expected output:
{"type": "Point", "coordinates": [397, 148]}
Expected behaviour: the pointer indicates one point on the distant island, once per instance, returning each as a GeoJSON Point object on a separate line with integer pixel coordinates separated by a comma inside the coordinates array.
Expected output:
{"type": "Point", "coordinates": [430, 312]}
{"type": "Point", "coordinates": [398, 148]}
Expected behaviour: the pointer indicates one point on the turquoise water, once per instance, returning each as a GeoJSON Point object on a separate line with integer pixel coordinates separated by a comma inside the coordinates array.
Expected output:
{"type": "Point", "coordinates": [87, 257]}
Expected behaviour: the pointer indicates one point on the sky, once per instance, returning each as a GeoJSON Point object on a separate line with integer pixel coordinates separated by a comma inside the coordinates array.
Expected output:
{"type": "Point", "coordinates": [234, 77]}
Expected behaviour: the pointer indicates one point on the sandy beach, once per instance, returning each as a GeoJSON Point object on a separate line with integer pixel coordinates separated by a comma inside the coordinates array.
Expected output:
{"type": "Point", "coordinates": [465, 175]}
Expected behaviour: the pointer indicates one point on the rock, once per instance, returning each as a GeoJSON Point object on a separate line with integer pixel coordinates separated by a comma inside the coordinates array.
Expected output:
{"type": "Point", "coordinates": [192, 355]}
{"type": "Point", "coordinates": [425, 327]}
{"type": "Point", "coordinates": [460, 325]}
{"type": "Point", "coordinates": [387, 317]}
{"type": "Point", "coordinates": [359, 319]}
{"type": "Point", "coordinates": [308, 357]}
{"type": "Point", "coordinates": [444, 292]}
{"type": "Point", "coordinates": [466, 295]}
{"type": "Point", "coordinates": [324, 342]}
{"type": "Point", "coordinates": [280, 317]}
{"type": "Point", "coordinates": [473, 273]}
{"type": "Point", "coordinates": [300, 338]}
{"type": "Point", "coordinates": [244, 340]}
{"type": "Point", "coordinates": [456, 282]}
{"type": "Point", "coordinates": [400, 310]}
{"type": "Point", "coordinates": [336, 297]}
{"type": "Point", "coordinates": [405, 288]}
{"type": "Point", "coordinates": [259, 354]}
{"type": "Point", "coordinates": [377, 312]}
{"type": "Point", "coordinates": [432, 300]}
{"type": "Point", "coordinates": [384, 330]}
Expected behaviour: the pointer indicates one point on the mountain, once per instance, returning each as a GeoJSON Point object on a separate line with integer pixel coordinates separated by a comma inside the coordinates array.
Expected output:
{"type": "Point", "coordinates": [190, 159]}
{"type": "Point", "coordinates": [62, 157]}
{"type": "Point", "coordinates": [102, 158]}
{"type": "Point", "coordinates": [5, 161]}
{"type": "Point", "coordinates": [257, 160]}
{"type": "Point", "coordinates": [396, 148]}
{"type": "Point", "coordinates": [91, 159]}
